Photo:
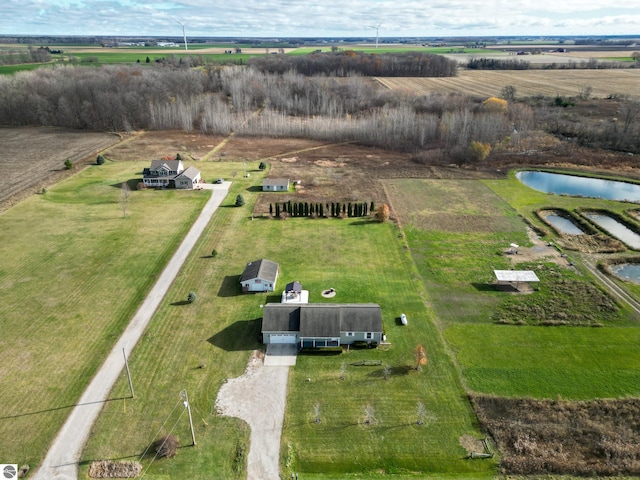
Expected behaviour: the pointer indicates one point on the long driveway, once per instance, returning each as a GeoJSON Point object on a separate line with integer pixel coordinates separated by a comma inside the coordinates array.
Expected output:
{"type": "Point", "coordinates": [61, 462]}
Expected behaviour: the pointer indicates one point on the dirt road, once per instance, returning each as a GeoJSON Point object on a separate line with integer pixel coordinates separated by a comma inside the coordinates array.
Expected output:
{"type": "Point", "coordinates": [61, 462]}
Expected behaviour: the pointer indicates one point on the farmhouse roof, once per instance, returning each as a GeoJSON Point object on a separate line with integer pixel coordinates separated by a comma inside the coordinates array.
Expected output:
{"type": "Point", "coordinates": [263, 269]}
{"type": "Point", "coordinates": [516, 276]}
{"type": "Point", "coordinates": [322, 320]}
{"type": "Point", "coordinates": [173, 165]}
{"type": "Point", "coordinates": [275, 182]}
{"type": "Point", "coordinates": [191, 172]}
{"type": "Point", "coordinates": [281, 317]}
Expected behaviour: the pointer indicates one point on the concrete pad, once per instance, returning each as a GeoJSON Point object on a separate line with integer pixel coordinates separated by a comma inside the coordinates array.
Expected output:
{"type": "Point", "coordinates": [281, 355]}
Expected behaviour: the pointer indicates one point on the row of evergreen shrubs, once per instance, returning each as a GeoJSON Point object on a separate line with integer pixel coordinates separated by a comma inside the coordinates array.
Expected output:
{"type": "Point", "coordinates": [334, 209]}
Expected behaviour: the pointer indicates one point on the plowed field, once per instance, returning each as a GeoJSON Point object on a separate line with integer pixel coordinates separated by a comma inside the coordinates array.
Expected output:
{"type": "Point", "coordinates": [34, 157]}
{"type": "Point", "coordinates": [528, 83]}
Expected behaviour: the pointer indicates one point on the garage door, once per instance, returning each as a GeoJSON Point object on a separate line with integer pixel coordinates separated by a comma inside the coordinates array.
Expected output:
{"type": "Point", "coordinates": [283, 338]}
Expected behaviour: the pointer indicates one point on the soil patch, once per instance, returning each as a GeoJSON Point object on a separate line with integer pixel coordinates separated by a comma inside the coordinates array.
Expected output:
{"type": "Point", "coordinates": [33, 158]}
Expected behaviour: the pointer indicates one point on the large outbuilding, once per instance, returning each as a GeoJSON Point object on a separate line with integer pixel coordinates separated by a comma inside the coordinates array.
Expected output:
{"type": "Point", "coordinates": [259, 276]}
{"type": "Point", "coordinates": [275, 185]}
{"type": "Point", "coordinates": [320, 324]}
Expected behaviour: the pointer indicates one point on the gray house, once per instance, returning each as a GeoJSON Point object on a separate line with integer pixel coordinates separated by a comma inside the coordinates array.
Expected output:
{"type": "Point", "coordinates": [320, 324]}
{"type": "Point", "coordinates": [259, 276]}
{"type": "Point", "coordinates": [275, 185]}
{"type": "Point", "coordinates": [170, 174]}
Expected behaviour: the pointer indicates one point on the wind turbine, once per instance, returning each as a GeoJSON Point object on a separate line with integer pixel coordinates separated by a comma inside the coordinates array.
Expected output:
{"type": "Point", "coordinates": [183, 34]}
{"type": "Point", "coordinates": [377, 27]}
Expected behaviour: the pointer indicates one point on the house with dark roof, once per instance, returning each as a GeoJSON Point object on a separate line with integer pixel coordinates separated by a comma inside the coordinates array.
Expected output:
{"type": "Point", "coordinates": [259, 276]}
{"type": "Point", "coordinates": [321, 324]}
{"type": "Point", "coordinates": [275, 185]}
{"type": "Point", "coordinates": [170, 174]}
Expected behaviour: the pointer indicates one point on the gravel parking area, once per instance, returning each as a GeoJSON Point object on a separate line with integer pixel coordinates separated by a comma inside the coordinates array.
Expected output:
{"type": "Point", "coordinates": [258, 397]}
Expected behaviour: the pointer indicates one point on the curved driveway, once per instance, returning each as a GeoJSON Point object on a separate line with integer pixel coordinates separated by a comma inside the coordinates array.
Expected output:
{"type": "Point", "coordinates": [63, 455]}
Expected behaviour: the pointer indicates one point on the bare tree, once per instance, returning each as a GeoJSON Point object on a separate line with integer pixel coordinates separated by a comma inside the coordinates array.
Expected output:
{"type": "Point", "coordinates": [316, 411]}
{"type": "Point", "coordinates": [369, 414]}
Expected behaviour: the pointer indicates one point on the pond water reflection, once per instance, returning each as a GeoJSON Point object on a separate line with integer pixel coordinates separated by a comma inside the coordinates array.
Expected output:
{"type": "Point", "coordinates": [561, 184]}
{"type": "Point", "coordinates": [563, 224]}
{"type": "Point", "coordinates": [627, 271]}
{"type": "Point", "coordinates": [615, 228]}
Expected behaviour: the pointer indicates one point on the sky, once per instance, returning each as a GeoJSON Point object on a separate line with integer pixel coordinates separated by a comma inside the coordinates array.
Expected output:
{"type": "Point", "coordinates": [329, 18]}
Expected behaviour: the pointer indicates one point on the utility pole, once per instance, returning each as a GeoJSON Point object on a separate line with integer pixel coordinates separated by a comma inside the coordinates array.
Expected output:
{"type": "Point", "coordinates": [126, 364]}
{"type": "Point", "coordinates": [186, 404]}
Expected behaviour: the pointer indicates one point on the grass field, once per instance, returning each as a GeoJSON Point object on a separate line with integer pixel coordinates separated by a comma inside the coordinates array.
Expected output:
{"type": "Point", "coordinates": [73, 271]}
{"type": "Point", "coordinates": [221, 329]}
{"type": "Point", "coordinates": [540, 362]}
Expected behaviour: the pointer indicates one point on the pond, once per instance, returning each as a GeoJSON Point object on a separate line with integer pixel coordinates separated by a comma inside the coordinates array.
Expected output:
{"type": "Point", "coordinates": [575, 186]}
{"type": "Point", "coordinates": [615, 228]}
{"type": "Point", "coordinates": [563, 224]}
{"type": "Point", "coordinates": [627, 271]}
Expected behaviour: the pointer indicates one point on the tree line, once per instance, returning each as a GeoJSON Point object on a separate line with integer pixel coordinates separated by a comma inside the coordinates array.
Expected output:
{"type": "Point", "coordinates": [321, 209]}
{"type": "Point", "coordinates": [32, 55]}
{"type": "Point", "coordinates": [348, 63]}
{"type": "Point", "coordinates": [250, 102]}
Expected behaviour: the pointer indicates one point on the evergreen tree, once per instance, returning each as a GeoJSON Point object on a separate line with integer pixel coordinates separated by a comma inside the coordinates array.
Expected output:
{"type": "Point", "coordinates": [321, 214]}
{"type": "Point", "coordinates": [372, 208]}
{"type": "Point", "coordinates": [284, 207]}
{"type": "Point", "coordinates": [271, 209]}
{"type": "Point", "coordinates": [306, 209]}
{"type": "Point", "coordinates": [277, 210]}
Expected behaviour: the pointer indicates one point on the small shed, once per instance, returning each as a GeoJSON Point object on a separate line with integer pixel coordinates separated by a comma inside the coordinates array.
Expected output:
{"type": "Point", "coordinates": [259, 276]}
{"type": "Point", "coordinates": [275, 185]}
{"type": "Point", "coordinates": [514, 278]}
{"type": "Point", "coordinates": [293, 293]}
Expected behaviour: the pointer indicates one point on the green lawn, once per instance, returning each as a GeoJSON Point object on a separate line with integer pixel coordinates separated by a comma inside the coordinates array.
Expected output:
{"type": "Point", "coordinates": [72, 273]}
{"type": "Point", "coordinates": [456, 257]}
{"type": "Point", "coordinates": [364, 262]}
{"type": "Point", "coordinates": [572, 363]}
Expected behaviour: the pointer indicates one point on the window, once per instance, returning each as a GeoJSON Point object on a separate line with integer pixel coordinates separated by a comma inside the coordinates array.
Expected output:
{"type": "Point", "coordinates": [349, 334]}
{"type": "Point", "coordinates": [369, 335]}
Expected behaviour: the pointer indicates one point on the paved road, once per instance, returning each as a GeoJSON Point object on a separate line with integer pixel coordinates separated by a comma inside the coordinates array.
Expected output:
{"type": "Point", "coordinates": [61, 462]}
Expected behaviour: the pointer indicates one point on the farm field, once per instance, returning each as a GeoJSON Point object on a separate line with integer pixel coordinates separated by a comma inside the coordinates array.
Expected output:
{"type": "Point", "coordinates": [34, 157]}
{"type": "Point", "coordinates": [457, 232]}
{"type": "Point", "coordinates": [435, 266]}
{"type": "Point", "coordinates": [224, 325]}
{"type": "Point", "coordinates": [528, 83]}
{"type": "Point", "coordinates": [74, 270]}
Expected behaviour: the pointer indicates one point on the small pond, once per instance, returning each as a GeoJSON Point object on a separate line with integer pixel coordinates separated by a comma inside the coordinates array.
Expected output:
{"type": "Point", "coordinates": [627, 271]}
{"type": "Point", "coordinates": [572, 185]}
{"type": "Point", "coordinates": [563, 224]}
{"type": "Point", "coordinates": [615, 228]}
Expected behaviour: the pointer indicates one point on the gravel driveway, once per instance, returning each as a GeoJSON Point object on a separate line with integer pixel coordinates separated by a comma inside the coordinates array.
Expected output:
{"type": "Point", "coordinates": [258, 397]}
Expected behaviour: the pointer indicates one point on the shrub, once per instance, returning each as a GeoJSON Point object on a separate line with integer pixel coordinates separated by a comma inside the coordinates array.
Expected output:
{"type": "Point", "coordinates": [214, 253]}
{"type": "Point", "coordinates": [496, 105]}
{"type": "Point", "coordinates": [239, 200]}
{"type": "Point", "coordinates": [382, 213]}
{"type": "Point", "coordinates": [167, 446]}
{"type": "Point", "coordinates": [479, 151]}
{"type": "Point", "coordinates": [68, 164]}
{"type": "Point", "coordinates": [192, 296]}
{"type": "Point", "coordinates": [100, 160]}
{"type": "Point", "coordinates": [262, 166]}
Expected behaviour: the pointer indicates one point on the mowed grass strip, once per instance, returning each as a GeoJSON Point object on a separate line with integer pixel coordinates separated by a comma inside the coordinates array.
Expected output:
{"type": "Point", "coordinates": [73, 271]}
{"type": "Point", "coordinates": [364, 262]}
{"type": "Point", "coordinates": [572, 363]}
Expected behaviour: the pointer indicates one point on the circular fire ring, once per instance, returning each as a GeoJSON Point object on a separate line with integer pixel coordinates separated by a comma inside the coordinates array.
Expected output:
{"type": "Point", "coordinates": [331, 292]}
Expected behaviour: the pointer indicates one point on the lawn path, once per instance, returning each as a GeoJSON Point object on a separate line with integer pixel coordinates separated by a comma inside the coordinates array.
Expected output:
{"type": "Point", "coordinates": [61, 462]}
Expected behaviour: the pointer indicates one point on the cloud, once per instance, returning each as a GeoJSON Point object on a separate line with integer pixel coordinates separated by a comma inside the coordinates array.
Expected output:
{"type": "Point", "coordinates": [355, 18]}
